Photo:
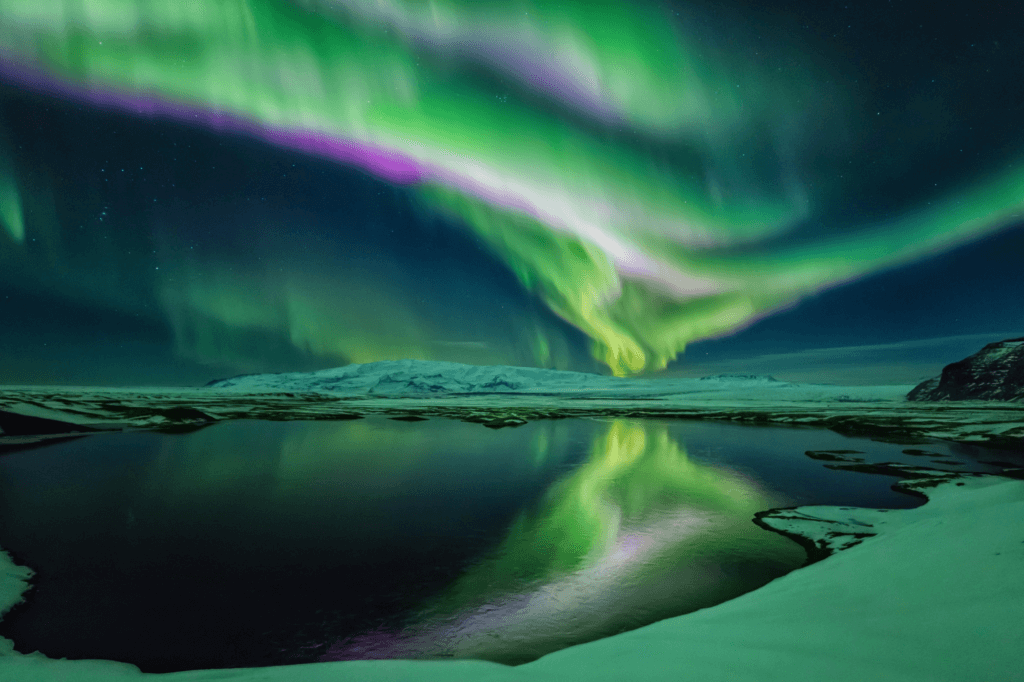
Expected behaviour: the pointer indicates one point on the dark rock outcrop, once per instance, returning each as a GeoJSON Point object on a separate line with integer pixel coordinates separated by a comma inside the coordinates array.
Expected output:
{"type": "Point", "coordinates": [996, 372]}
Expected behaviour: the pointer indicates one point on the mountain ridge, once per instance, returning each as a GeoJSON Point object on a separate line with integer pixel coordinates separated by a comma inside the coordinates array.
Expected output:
{"type": "Point", "coordinates": [996, 372]}
{"type": "Point", "coordinates": [417, 377]}
{"type": "Point", "coordinates": [427, 378]}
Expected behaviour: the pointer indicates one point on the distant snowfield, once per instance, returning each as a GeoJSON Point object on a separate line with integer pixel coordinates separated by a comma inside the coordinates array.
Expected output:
{"type": "Point", "coordinates": [933, 594]}
{"type": "Point", "coordinates": [498, 397]}
{"type": "Point", "coordinates": [420, 378]}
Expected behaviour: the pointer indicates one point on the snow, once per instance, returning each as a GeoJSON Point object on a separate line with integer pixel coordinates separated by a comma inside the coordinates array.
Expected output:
{"type": "Point", "coordinates": [415, 377]}
{"type": "Point", "coordinates": [422, 378]}
{"type": "Point", "coordinates": [998, 353]}
{"type": "Point", "coordinates": [13, 583]}
{"type": "Point", "coordinates": [935, 594]}
{"type": "Point", "coordinates": [51, 411]}
{"type": "Point", "coordinates": [499, 396]}
{"type": "Point", "coordinates": [750, 378]}
{"type": "Point", "coordinates": [1005, 428]}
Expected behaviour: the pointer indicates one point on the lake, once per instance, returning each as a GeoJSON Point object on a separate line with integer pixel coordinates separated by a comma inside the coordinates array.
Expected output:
{"type": "Point", "coordinates": [255, 543]}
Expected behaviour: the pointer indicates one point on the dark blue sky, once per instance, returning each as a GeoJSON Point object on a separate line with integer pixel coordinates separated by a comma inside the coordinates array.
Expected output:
{"type": "Point", "coordinates": [127, 216]}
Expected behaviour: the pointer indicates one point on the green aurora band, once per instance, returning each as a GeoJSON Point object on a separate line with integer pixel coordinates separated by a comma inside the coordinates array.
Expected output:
{"type": "Point", "coordinates": [642, 249]}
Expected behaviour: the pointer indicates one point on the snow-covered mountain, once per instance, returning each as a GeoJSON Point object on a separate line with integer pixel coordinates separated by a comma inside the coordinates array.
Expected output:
{"type": "Point", "coordinates": [996, 372]}
{"type": "Point", "coordinates": [426, 377]}
{"type": "Point", "coordinates": [742, 378]}
{"type": "Point", "coordinates": [421, 378]}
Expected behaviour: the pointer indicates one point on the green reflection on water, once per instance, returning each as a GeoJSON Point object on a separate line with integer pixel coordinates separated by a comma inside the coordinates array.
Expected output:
{"type": "Point", "coordinates": [635, 471]}
{"type": "Point", "coordinates": [637, 533]}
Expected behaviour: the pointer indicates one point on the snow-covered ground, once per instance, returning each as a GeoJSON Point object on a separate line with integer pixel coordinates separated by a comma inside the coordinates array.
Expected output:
{"type": "Point", "coordinates": [501, 396]}
{"type": "Point", "coordinates": [932, 593]}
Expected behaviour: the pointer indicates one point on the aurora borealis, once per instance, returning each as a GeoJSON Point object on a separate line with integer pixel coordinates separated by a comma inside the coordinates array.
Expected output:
{"type": "Point", "coordinates": [581, 185]}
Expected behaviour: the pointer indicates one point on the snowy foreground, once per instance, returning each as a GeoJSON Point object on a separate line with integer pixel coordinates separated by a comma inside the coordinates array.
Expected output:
{"type": "Point", "coordinates": [932, 593]}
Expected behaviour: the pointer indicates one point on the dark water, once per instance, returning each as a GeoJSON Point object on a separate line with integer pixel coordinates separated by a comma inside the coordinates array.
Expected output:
{"type": "Point", "coordinates": [263, 543]}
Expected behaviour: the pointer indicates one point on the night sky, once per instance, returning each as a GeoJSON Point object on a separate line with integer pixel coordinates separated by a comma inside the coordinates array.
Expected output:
{"type": "Point", "coordinates": [822, 191]}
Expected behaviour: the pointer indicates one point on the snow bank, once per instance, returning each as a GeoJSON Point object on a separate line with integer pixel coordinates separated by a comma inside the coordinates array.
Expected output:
{"type": "Point", "coordinates": [935, 594]}
{"type": "Point", "coordinates": [13, 582]}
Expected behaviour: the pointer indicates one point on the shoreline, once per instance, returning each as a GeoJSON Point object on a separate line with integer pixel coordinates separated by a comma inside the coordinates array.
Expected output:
{"type": "Point", "coordinates": [903, 595]}
{"type": "Point", "coordinates": [31, 416]}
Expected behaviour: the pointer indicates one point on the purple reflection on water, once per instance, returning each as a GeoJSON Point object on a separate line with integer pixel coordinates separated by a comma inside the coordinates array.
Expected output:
{"type": "Point", "coordinates": [374, 644]}
{"type": "Point", "coordinates": [563, 609]}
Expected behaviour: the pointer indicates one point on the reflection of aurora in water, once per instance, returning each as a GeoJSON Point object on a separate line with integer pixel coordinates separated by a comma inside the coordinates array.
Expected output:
{"type": "Point", "coordinates": [379, 538]}
{"type": "Point", "coordinates": [645, 251]}
{"type": "Point", "coordinates": [637, 533]}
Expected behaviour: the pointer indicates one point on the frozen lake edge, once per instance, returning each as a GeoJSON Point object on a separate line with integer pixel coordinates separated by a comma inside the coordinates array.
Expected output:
{"type": "Point", "coordinates": [923, 594]}
{"type": "Point", "coordinates": [32, 414]}
{"type": "Point", "coordinates": [927, 593]}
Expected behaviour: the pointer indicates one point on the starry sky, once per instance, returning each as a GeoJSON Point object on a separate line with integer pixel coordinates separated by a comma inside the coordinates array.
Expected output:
{"type": "Point", "coordinates": [822, 191]}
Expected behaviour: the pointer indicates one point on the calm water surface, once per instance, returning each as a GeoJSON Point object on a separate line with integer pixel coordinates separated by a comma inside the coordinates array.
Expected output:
{"type": "Point", "coordinates": [262, 543]}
